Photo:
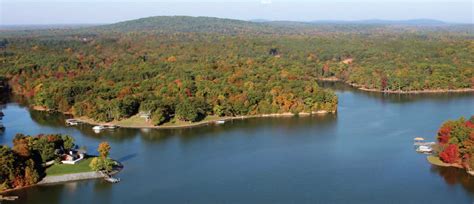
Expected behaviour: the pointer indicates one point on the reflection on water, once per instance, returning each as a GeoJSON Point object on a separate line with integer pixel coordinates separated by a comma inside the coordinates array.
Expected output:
{"type": "Point", "coordinates": [396, 98]}
{"type": "Point", "coordinates": [455, 176]}
{"type": "Point", "coordinates": [51, 119]}
{"type": "Point", "coordinates": [158, 135]}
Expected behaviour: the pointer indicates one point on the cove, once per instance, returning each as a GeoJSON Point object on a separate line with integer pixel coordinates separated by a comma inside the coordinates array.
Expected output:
{"type": "Point", "coordinates": [362, 154]}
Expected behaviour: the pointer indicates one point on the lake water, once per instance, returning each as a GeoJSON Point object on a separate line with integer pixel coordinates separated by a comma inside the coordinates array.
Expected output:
{"type": "Point", "coordinates": [364, 154]}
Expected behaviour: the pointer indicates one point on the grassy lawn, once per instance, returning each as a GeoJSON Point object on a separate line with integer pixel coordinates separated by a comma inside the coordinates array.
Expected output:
{"type": "Point", "coordinates": [135, 120]}
{"type": "Point", "coordinates": [436, 161]}
{"type": "Point", "coordinates": [185, 123]}
{"type": "Point", "coordinates": [60, 169]}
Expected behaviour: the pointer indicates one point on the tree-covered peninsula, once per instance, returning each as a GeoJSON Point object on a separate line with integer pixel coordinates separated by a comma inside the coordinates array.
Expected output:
{"type": "Point", "coordinates": [42, 157]}
{"type": "Point", "coordinates": [455, 146]}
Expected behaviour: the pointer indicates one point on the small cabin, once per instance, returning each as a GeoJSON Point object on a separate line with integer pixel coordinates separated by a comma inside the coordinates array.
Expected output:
{"type": "Point", "coordinates": [72, 156]}
{"type": "Point", "coordinates": [146, 115]}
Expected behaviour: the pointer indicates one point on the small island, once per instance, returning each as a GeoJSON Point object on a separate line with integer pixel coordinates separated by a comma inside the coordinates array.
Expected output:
{"type": "Point", "coordinates": [46, 159]}
{"type": "Point", "coordinates": [455, 146]}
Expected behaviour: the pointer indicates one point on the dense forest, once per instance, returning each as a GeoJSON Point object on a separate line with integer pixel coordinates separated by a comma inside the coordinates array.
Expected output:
{"type": "Point", "coordinates": [185, 68]}
{"type": "Point", "coordinates": [456, 143]}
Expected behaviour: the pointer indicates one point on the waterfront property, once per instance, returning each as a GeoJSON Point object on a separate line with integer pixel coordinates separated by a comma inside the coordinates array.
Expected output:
{"type": "Point", "coordinates": [422, 146]}
{"type": "Point", "coordinates": [35, 159]}
{"type": "Point", "coordinates": [73, 156]}
{"type": "Point", "coordinates": [64, 168]}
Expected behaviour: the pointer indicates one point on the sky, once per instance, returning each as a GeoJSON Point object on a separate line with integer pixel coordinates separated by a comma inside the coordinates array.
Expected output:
{"type": "Point", "coordinates": [33, 12]}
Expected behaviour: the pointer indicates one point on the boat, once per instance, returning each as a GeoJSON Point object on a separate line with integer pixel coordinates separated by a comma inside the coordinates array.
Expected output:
{"type": "Point", "coordinates": [8, 198]}
{"type": "Point", "coordinates": [72, 122]}
{"type": "Point", "coordinates": [220, 122]}
{"type": "Point", "coordinates": [112, 179]}
{"type": "Point", "coordinates": [424, 149]}
{"type": "Point", "coordinates": [419, 141]}
{"type": "Point", "coordinates": [98, 127]}
{"type": "Point", "coordinates": [110, 127]}
{"type": "Point", "coordinates": [2, 128]}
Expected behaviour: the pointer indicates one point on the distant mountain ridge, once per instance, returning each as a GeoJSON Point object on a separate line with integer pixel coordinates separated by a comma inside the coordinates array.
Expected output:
{"type": "Point", "coordinates": [418, 22]}
{"type": "Point", "coordinates": [188, 24]}
{"type": "Point", "coordinates": [415, 22]}
{"type": "Point", "coordinates": [179, 24]}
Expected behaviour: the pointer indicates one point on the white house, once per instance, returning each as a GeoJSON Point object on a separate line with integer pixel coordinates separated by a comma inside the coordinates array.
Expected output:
{"type": "Point", "coordinates": [73, 156]}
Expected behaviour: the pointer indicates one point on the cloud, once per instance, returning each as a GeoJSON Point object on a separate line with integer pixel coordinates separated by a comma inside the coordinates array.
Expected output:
{"type": "Point", "coordinates": [266, 1]}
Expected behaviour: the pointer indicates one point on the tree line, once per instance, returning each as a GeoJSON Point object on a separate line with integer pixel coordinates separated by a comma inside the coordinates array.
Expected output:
{"type": "Point", "coordinates": [456, 142]}
{"type": "Point", "coordinates": [173, 78]}
{"type": "Point", "coordinates": [25, 163]}
{"type": "Point", "coordinates": [22, 165]}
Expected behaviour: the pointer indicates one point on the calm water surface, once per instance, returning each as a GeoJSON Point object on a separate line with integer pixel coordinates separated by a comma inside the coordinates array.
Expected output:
{"type": "Point", "coordinates": [364, 154]}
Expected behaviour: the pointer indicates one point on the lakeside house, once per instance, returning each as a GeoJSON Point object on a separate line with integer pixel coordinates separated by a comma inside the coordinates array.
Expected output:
{"type": "Point", "coordinates": [73, 156]}
{"type": "Point", "coordinates": [146, 115]}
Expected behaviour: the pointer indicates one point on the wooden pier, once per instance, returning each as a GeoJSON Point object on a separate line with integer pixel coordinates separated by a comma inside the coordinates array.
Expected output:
{"type": "Point", "coordinates": [8, 198]}
{"type": "Point", "coordinates": [109, 178]}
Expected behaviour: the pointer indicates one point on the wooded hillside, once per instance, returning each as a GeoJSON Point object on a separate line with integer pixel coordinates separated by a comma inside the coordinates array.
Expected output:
{"type": "Point", "coordinates": [187, 68]}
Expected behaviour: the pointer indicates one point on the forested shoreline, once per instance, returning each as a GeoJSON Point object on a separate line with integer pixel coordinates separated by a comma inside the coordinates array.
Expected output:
{"type": "Point", "coordinates": [186, 69]}
{"type": "Point", "coordinates": [31, 159]}
{"type": "Point", "coordinates": [455, 146]}
{"type": "Point", "coordinates": [22, 165]}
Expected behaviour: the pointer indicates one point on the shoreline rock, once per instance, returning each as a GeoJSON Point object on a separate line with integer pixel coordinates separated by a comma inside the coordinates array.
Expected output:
{"type": "Point", "coordinates": [70, 177]}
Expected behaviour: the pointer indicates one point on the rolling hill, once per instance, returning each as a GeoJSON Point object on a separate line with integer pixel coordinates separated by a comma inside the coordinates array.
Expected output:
{"type": "Point", "coordinates": [184, 24]}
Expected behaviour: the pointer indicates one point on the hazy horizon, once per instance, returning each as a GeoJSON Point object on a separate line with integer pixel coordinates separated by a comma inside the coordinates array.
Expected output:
{"type": "Point", "coordinates": [62, 12]}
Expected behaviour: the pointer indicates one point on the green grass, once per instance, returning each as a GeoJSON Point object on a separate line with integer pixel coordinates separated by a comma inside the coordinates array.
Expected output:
{"type": "Point", "coordinates": [134, 121]}
{"type": "Point", "coordinates": [137, 121]}
{"type": "Point", "coordinates": [61, 169]}
{"type": "Point", "coordinates": [436, 161]}
{"type": "Point", "coordinates": [178, 123]}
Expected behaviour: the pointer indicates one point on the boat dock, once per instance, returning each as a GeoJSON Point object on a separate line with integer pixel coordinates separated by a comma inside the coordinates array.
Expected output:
{"type": "Point", "coordinates": [72, 122]}
{"type": "Point", "coordinates": [112, 179]}
{"type": "Point", "coordinates": [109, 178]}
{"type": "Point", "coordinates": [8, 198]}
{"type": "Point", "coordinates": [421, 146]}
